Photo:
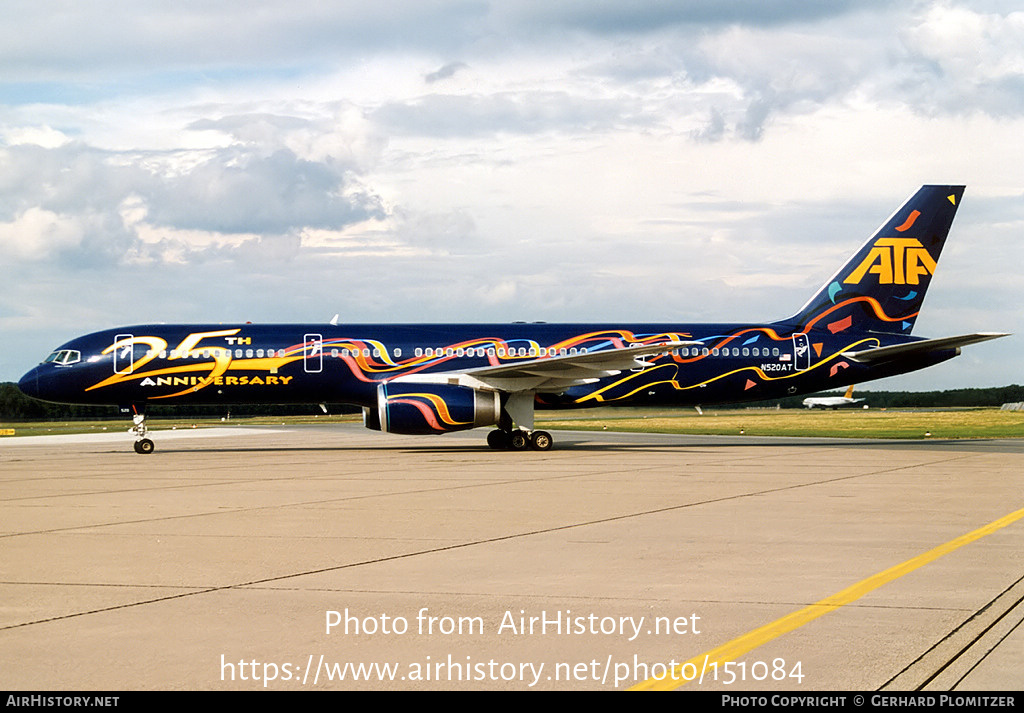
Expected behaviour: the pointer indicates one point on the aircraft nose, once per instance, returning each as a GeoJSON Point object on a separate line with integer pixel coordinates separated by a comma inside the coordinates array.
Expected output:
{"type": "Point", "coordinates": [29, 384]}
{"type": "Point", "coordinates": [39, 384]}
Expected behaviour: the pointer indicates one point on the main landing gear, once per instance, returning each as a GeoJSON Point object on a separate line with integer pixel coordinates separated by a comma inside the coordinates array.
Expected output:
{"type": "Point", "coordinates": [515, 427]}
{"type": "Point", "coordinates": [519, 440]}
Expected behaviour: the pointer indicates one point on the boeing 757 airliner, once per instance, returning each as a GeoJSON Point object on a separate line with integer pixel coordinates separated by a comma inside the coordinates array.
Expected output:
{"type": "Point", "coordinates": [437, 378]}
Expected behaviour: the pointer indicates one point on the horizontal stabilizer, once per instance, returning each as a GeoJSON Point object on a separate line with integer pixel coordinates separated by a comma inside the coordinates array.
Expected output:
{"type": "Point", "coordinates": [921, 347]}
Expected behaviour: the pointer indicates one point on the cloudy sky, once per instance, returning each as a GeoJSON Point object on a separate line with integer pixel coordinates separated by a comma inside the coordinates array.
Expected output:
{"type": "Point", "coordinates": [477, 160]}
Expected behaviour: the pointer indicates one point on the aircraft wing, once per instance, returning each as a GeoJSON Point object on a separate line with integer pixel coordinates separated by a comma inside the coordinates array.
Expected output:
{"type": "Point", "coordinates": [920, 347]}
{"type": "Point", "coordinates": [557, 372]}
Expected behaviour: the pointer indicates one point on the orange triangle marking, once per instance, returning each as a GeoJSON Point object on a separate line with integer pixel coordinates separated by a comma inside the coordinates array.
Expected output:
{"type": "Point", "coordinates": [817, 348]}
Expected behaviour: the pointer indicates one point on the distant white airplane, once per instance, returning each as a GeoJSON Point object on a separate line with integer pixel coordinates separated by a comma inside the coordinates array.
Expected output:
{"type": "Point", "coordinates": [832, 402]}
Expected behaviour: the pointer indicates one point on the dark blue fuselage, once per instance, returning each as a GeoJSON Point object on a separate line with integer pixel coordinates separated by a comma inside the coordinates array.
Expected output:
{"type": "Point", "coordinates": [295, 363]}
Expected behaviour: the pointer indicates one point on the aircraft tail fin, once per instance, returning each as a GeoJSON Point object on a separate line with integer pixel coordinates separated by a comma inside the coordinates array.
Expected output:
{"type": "Point", "coordinates": [881, 288]}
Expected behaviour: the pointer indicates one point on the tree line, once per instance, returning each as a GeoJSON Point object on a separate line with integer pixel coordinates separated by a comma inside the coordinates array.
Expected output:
{"type": "Point", "coordinates": [15, 406]}
{"type": "Point", "coordinates": [952, 398]}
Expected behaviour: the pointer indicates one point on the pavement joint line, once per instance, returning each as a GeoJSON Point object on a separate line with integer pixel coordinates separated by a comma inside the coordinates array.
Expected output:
{"type": "Point", "coordinates": [950, 659]}
{"type": "Point", "coordinates": [433, 550]}
{"type": "Point", "coordinates": [462, 486]}
{"type": "Point", "coordinates": [305, 503]}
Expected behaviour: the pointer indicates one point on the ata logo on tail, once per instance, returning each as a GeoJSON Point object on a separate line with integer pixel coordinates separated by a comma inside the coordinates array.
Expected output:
{"type": "Point", "coordinates": [896, 261]}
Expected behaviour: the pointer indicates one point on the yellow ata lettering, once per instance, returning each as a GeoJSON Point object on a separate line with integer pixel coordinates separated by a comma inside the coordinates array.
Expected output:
{"type": "Point", "coordinates": [896, 261]}
{"type": "Point", "coordinates": [919, 263]}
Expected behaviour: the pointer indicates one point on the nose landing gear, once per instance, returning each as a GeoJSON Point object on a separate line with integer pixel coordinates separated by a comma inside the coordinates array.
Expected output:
{"type": "Point", "coordinates": [143, 445]}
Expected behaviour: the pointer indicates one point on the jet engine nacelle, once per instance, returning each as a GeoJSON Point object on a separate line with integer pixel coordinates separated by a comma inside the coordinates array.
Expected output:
{"type": "Point", "coordinates": [419, 408]}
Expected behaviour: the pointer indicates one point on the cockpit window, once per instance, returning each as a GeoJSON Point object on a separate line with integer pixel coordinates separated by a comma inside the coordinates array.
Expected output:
{"type": "Point", "coordinates": [64, 357]}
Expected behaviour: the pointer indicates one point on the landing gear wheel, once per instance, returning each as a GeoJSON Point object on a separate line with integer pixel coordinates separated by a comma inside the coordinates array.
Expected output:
{"type": "Point", "coordinates": [541, 441]}
{"type": "Point", "coordinates": [497, 440]}
{"type": "Point", "coordinates": [518, 441]}
{"type": "Point", "coordinates": [142, 444]}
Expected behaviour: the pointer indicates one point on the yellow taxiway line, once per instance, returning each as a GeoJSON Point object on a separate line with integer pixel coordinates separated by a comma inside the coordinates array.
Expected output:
{"type": "Point", "coordinates": [690, 670]}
